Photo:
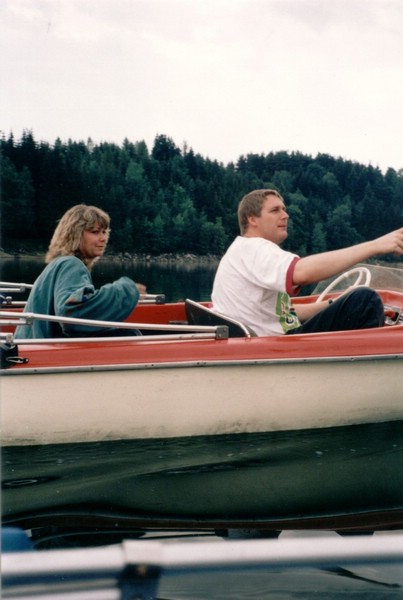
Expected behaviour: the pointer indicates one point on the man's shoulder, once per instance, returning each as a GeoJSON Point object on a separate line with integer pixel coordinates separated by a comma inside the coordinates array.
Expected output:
{"type": "Point", "coordinates": [248, 242]}
{"type": "Point", "coordinates": [252, 245]}
{"type": "Point", "coordinates": [252, 241]}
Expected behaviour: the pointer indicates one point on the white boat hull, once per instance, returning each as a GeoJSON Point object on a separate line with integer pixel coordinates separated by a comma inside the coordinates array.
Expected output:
{"type": "Point", "coordinates": [176, 400]}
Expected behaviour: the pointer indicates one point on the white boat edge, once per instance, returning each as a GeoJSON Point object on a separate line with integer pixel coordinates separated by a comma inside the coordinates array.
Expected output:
{"type": "Point", "coordinates": [50, 406]}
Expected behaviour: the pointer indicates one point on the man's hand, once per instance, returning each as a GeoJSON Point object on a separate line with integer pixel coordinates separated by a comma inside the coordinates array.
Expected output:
{"type": "Point", "coordinates": [391, 243]}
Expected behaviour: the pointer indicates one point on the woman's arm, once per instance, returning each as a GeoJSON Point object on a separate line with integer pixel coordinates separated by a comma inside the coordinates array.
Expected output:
{"type": "Point", "coordinates": [76, 296]}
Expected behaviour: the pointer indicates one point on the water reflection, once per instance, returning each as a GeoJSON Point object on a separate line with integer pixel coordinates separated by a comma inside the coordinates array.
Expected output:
{"type": "Point", "coordinates": [177, 280]}
{"type": "Point", "coordinates": [352, 470]}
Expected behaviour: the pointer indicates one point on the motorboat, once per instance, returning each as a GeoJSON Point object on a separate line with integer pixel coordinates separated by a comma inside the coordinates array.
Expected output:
{"type": "Point", "coordinates": [199, 423]}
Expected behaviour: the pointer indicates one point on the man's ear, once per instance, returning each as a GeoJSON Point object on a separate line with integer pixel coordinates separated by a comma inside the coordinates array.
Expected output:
{"type": "Point", "coordinates": [252, 220]}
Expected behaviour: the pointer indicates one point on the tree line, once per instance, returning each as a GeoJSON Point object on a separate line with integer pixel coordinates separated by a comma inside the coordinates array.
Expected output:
{"type": "Point", "coordinates": [171, 199]}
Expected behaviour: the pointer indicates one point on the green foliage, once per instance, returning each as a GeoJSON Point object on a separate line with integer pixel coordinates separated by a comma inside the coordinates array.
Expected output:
{"type": "Point", "coordinates": [173, 200]}
{"type": "Point", "coordinates": [17, 201]}
{"type": "Point", "coordinates": [340, 231]}
{"type": "Point", "coordinates": [318, 242]}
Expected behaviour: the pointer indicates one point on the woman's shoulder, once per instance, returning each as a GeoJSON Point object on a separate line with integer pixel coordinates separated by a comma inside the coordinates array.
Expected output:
{"type": "Point", "coordinates": [63, 264]}
{"type": "Point", "coordinates": [69, 260]}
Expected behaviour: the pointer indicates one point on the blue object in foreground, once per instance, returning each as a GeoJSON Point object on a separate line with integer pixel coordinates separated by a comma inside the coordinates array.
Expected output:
{"type": "Point", "coordinates": [14, 540]}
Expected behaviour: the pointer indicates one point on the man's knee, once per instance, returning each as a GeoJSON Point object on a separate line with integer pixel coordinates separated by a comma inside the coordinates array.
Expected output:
{"type": "Point", "coordinates": [364, 295]}
{"type": "Point", "coordinates": [369, 302]}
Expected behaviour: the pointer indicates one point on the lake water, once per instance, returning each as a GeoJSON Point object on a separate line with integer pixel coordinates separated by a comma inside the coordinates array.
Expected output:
{"type": "Point", "coordinates": [81, 481]}
{"type": "Point", "coordinates": [177, 280]}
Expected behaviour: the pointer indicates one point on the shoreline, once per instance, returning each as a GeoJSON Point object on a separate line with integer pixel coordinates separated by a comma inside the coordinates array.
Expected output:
{"type": "Point", "coordinates": [167, 258]}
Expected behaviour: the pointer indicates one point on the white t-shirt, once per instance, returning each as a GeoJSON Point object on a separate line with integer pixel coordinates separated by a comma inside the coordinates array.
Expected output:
{"type": "Point", "coordinates": [253, 284]}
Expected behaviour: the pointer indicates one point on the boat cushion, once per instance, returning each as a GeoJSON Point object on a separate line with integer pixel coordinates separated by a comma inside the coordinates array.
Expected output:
{"type": "Point", "coordinates": [198, 314]}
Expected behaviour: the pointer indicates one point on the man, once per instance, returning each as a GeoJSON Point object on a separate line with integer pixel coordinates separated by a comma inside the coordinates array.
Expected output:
{"type": "Point", "coordinates": [255, 278]}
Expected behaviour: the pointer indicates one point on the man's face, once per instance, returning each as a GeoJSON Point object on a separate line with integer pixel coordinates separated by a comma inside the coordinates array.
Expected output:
{"type": "Point", "coordinates": [272, 222]}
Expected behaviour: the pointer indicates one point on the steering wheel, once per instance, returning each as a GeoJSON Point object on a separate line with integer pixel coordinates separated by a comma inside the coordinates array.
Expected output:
{"type": "Point", "coordinates": [363, 272]}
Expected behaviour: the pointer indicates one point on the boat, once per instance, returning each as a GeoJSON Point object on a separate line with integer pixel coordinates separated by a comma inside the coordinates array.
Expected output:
{"type": "Point", "coordinates": [198, 423]}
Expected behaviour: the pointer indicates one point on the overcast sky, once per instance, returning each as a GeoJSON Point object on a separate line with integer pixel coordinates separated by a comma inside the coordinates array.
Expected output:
{"type": "Point", "coordinates": [226, 77]}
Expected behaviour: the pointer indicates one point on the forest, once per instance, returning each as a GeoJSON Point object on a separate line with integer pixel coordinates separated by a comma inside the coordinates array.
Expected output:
{"type": "Point", "coordinates": [169, 199]}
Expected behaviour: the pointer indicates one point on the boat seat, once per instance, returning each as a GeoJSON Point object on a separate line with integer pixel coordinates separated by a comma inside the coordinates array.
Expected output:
{"type": "Point", "coordinates": [198, 314]}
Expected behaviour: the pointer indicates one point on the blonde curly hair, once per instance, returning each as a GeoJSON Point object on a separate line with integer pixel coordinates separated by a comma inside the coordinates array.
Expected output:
{"type": "Point", "coordinates": [66, 239]}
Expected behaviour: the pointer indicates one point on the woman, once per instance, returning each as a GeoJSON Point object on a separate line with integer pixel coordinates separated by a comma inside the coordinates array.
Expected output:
{"type": "Point", "coordinates": [65, 288]}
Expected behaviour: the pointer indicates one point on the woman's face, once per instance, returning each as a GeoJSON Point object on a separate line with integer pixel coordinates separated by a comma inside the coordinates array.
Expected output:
{"type": "Point", "coordinates": [93, 242]}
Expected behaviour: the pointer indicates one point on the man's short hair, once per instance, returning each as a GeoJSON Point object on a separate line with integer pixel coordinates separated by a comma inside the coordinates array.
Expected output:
{"type": "Point", "coordinates": [251, 205]}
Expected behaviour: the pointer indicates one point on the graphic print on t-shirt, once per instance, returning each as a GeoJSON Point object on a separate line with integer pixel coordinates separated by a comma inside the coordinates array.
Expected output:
{"type": "Point", "coordinates": [287, 316]}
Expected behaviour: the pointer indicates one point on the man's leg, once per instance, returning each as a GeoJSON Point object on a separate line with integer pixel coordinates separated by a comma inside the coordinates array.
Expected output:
{"type": "Point", "coordinates": [359, 309]}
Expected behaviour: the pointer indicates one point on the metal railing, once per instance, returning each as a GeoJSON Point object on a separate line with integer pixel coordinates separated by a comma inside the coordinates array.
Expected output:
{"type": "Point", "coordinates": [133, 569]}
{"type": "Point", "coordinates": [9, 287]}
{"type": "Point", "coordinates": [13, 287]}
{"type": "Point", "coordinates": [8, 318]}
